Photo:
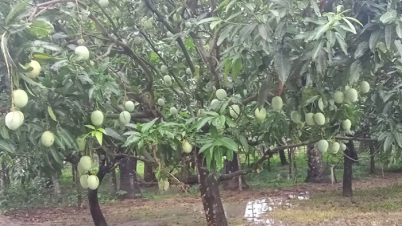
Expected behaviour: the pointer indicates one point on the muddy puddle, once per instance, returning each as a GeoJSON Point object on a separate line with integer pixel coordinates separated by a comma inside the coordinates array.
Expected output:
{"type": "Point", "coordinates": [257, 211]}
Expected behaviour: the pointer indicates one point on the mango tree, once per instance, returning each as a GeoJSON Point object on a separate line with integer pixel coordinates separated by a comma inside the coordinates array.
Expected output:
{"type": "Point", "coordinates": [211, 79]}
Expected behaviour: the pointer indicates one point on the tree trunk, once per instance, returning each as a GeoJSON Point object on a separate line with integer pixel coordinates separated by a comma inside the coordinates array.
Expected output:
{"type": "Point", "coordinates": [77, 186]}
{"type": "Point", "coordinates": [231, 167]}
{"type": "Point", "coordinates": [372, 158]}
{"type": "Point", "coordinates": [149, 175]}
{"type": "Point", "coordinates": [2, 184]}
{"type": "Point", "coordinates": [282, 156]}
{"type": "Point", "coordinates": [348, 160]}
{"type": "Point", "coordinates": [211, 199]}
{"type": "Point", "coordinates": [128, 178]}
{"type": "Point", "coordinates": [113, 179]}
{"type": "Point", "coordinates": [315, 172]}
{"type": "Point", "coordinates": [73, 175]}
{"type": "Point", "coordinates": [96, 212]}
{"type": "Point", "coordinates": [4, 176]}
{"type": "Point", "coordinates": [56, 185]}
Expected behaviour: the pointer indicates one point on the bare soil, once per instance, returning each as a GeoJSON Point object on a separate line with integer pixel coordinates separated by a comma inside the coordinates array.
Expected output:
{"type": "Point", "coordinates": [188, 210]}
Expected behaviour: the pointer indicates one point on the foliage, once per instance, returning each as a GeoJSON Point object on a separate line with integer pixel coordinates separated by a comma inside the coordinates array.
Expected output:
{"type": "Point", "coordinates": [303, 51]}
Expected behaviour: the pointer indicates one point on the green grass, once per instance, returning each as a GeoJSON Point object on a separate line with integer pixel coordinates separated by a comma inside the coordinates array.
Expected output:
{"type": "Point", "coordinates": [330, 205]}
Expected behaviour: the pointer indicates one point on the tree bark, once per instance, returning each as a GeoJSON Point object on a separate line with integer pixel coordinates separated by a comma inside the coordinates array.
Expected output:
{"type": "Point", "coordinates": [149, 175]}
{"type": "Point", "coordinates": [231, 167]}
{"type": "Point", "coordinates": [282, 156]}
{"type": "Point", "coordinates": [128, 178]}
{"type": "Point", "coordinates": [56, 185]}
{"type": "Point", "coordinates": [315, 172]}
{"type": "Point", "coordinates": [211, 199]}
{"type": "Point", "coordinates": [372, 158]}
{"type": "Point", "coordinates": [348, 160]}
{"type": "Point", "coordinates": [77, 186]}
{"type": "Point", "coordinates": [96, 212]}
{"type": "Point", "coordinates": [113, 179]}
{"type": "Point", "coordinates": [5, 176]}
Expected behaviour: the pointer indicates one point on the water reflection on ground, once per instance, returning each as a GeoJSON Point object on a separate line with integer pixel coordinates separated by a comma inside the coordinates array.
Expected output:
{"type": "Point", "coordinates": [256, 210]}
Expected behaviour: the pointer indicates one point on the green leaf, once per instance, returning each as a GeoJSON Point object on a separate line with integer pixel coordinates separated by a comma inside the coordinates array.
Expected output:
{"type": "Point", "coordinates": [388, 142]}
{"type": "Point", "coordinates": [112, 133]}
{"type": "Point", "coordinates": [354, 20]}
{"type": "Point", "coordinates": [21, 6]}
{"type": "Point", "coordinates": [66, 137]}
{"type": "Point", "coordinates": [16, 28]}
{"type": "Point", "coordinates": [90, 127]}
{"type": "Point", "coordinates": [352, 28]}
{"type": "Point", "coordinates": [398, 138]}
{"type": "Point", "coordinates": [209, 19]}
{"type": "Point", "coordinates": [133, 139]}
{"type": "Point", "coordinates": [361, 49]}
{"type": "Point", "coordinates": [59, 142]}
{"type": "Point", "coordinates": [230, 122]}
{"type": "Point", "coordinates": [46, 45]}
{"type": "Point", "coordinates": [315, 8]}
{"type": "Point", "coordinates": [214, 132]}
{"type": "Point", "coordinates": [373, 40]}
{"type": "Point", "coordinates": [224, 34]}
{"type": "Point", "coordinates": [213, 24]}
{"type": "Point", "coordinates": [263, 33]}
{"type": "Point", "coordinates": [56, 155]}
{"type": "Point", "coordinates": [236, 68]}
{"type": "Point", "coordinates": [388, 17]}
{"type": "Point", "coordinates": [4, 132]}
{"type": "Point", "coordinates": [200, 123]}
{"type": "Point", "coordinates": [244, 143]}
{"type": "Point", "coordinates": [7, 147]}
{"type": "Point", "coordinates": [99, 136]}
{"type": "Point", "coordinates": [41, 28]}
{"type": "Point", "coordinates": [208, 157]}
{"type": "Point", "coordinates": [218, 157]}
{"type": "Point", "coordinates": [341, 41]}
{"type": "Point", "coordinates": [318, 49]}
{"type": "Point", "coordinates": [148, 125]}
{"type": "Point", "coordinates": [355, 71]}
{"type": "Point", "coordinates": [398, 29]}
{"type": "Point", "coordinates": [229, 155]}
{"type": "Point", "coordinates": [102, 130]}
{"type": "Point", "coordinates": [41, 56]}
{"type": "Point", "coordinates": [389, 36]}
{"type": "Point", "coordinates": [282, 65]}
{"type": "Point", "coordinates": [30, 81]}
{"type": "Point", "coordinates": [205, 147]}
{"type": "Point", "coordinates": [229, 143]}
{"type": "Point", "coordinates": [245, 32]}
{"type": "Point", "coordinates": [398, 45]}
{"type": "Point", "coordinates": [51, 113]}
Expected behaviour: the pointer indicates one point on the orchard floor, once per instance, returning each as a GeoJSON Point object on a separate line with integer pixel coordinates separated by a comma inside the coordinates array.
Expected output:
{"type": "Point", "coordinates": [377, 201]}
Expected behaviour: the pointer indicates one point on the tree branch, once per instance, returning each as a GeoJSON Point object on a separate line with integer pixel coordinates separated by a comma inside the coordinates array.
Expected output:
{"type": "Point", "coordinates": [269, 154]}
{"type": "Point", "coordinates": [152, 7]}
{"type": "Point", "coordinates": [186, 96]}
{"type": "Point", "coordinates": [136, 115]}
{"type": "Point", "coordinates": [109, 48]}
{"type": "Point", "coordinates": [137, 59]}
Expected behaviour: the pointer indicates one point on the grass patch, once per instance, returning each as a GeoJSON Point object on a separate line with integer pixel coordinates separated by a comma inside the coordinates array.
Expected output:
{"type": "Point", "coordinates": [330, 205]}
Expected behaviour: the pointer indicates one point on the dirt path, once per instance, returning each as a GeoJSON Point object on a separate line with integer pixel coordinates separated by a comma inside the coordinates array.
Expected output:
{"type": "Point", "coordinates": [188, 210]}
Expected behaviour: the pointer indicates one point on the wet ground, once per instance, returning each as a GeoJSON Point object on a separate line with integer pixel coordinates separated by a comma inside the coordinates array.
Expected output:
{"type": "Point", "coordinates": [274, 207]}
